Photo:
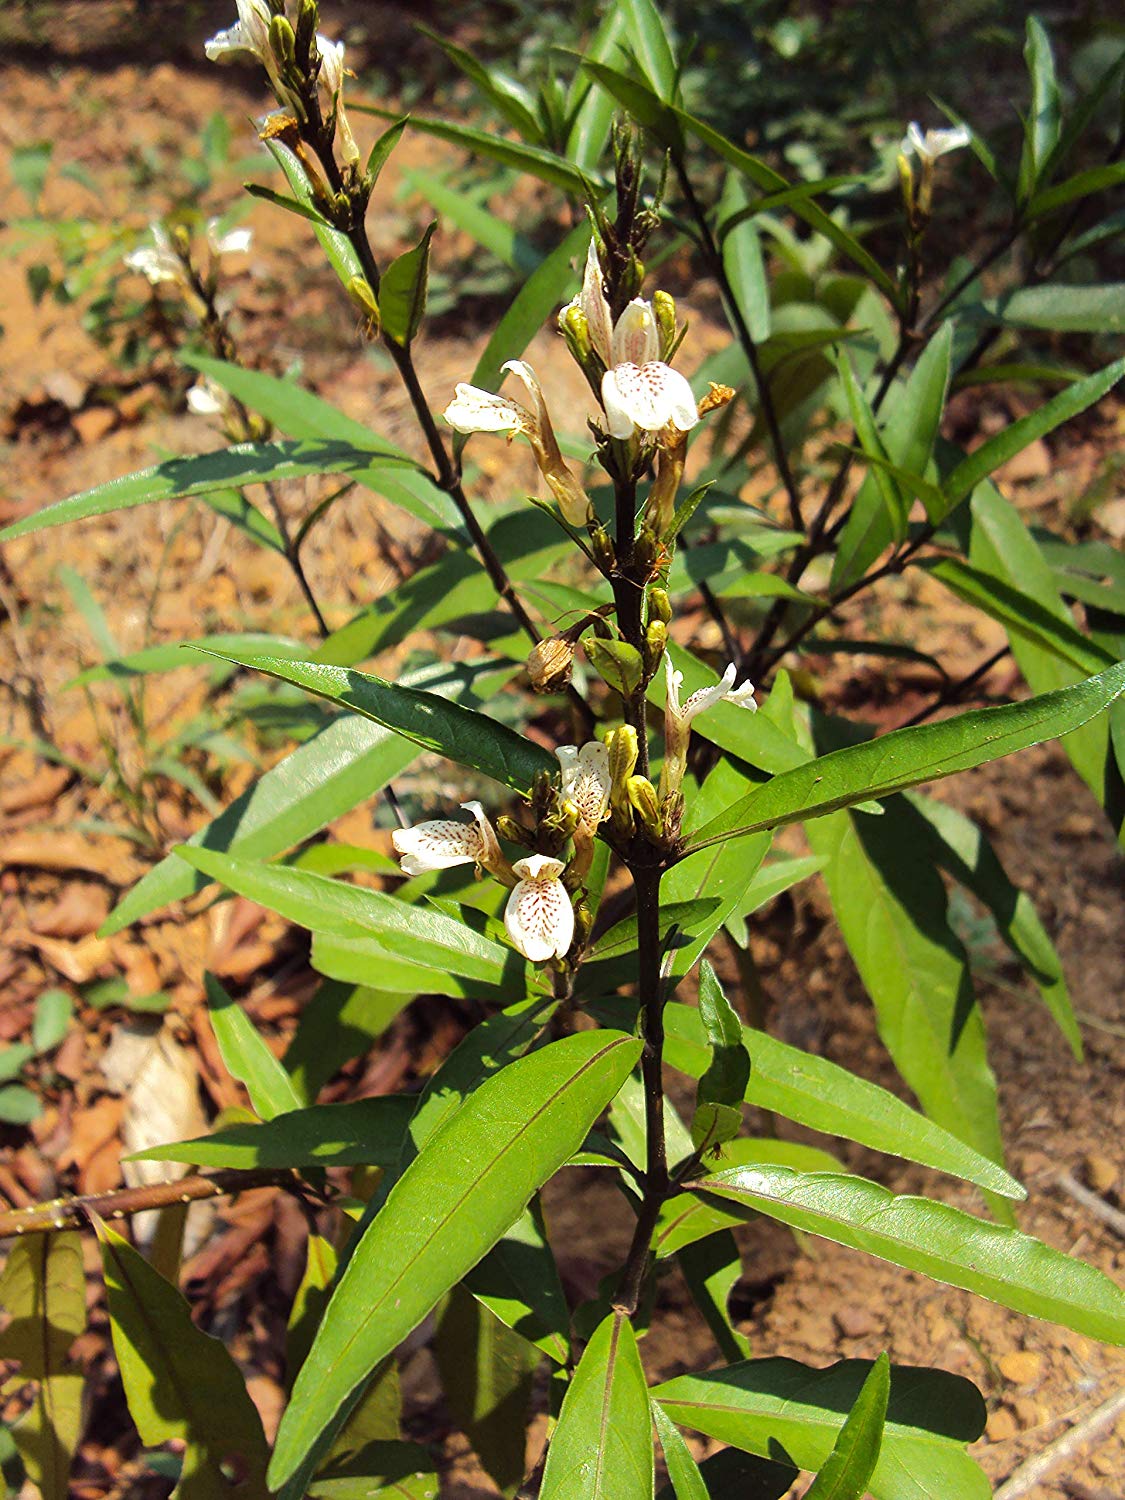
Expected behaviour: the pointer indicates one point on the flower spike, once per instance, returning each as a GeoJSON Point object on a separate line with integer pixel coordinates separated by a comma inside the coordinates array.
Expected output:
{"type": "Point", "coordinates": [539, 916]}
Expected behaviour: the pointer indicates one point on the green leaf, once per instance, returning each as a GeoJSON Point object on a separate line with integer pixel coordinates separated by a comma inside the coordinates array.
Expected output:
{"type": "Point", "coordinates": [518, 1281]}
{"type": "Point", "coordinates": [616, 662]}
{"type": "Point", "coordinates": [535, 161]}
{"type": "Point", "coordinates": [432, 939]}
{"type": "Point", "coordinates": [365, 1132]}
{"type": "Point", "coordinates": [602, 1446]}
{"type": "Point", "coordinates": [825, 1097]}
{"type": "Point", "coordinates": [496, 235]}
{"type": "Point", "coordinates": [340, 1022]}
{"type": "Point", "coordinates": [649, 43]}
{"type": "Point", "coordinates": [744, 263]}
{"type": "Point", "coordinates": [1081, 185]}
{"type": "Point", "coordinates": [341, 253]}
{"type": "Point", "coordinates": [244, 463]}
{"type": "Point", "coordinates": [942, 1242]}
{"type": "Point", "coordinates": [892, 909]}
{"type": "Point", "coordinates": [964, 851]}
{"type": "Point", "coordinates": [344, 765]}
{"type": "Point", "coordinates": [234, 507]}
{"type": "Point", "coordinates": [907, 757]}
{"type": "Point", "coordinates": [508, 98]}
{"type": "Point", "coordinates": [687, 1482]}
{"type": "Point", "coordinates": [246, 1055]}
{"type": "Point", "coordinates": [13, 1059]}
{"type": "Point", "coordinates": [718, 1111]}
{"type": "Point", "coordinates": [767, 1405]}
{"type": "Point", "coordinates": [462, 735]}
{"type": "Point", "coordinates": [485, 1373]}
{"type": "Point", "coordinates": [300, 413]}
{"type": "Point", "coordinates": [1041, 129]}
{"type": "Point", "coordinates": [852, 1461]}
{"type": "Point", "coordinates": [1021, 614]}
{"type": "Point", "coordinates": [1056, 308]}
{"type": "Point", "coordinates": [19, 1106]}
{"type": "Point", "coordinates": [379, 1471]}
{"type": "Point", "coordinates": [176, 654]}
{"type": "Point", "coordinates": [402, 291]}
{"type": "Point", "coordinates": [913, 414]}
{"type": "Point", "coordinates": [53, 1011]}
{"type": "Point", "coordinates": [179, 1382]}
{"type": "Point", "coordinates": [381, 150]}
{"type": "Point", "coordinates": [43, 1292]}
{"type": "Point", "coordinates": [1020, 434]}
{"type": "Point", "coordinates": [593, 108]}
{"type": "Point", "coordinates": [710, 1267]}
{"type": "Point", "coordinates": [517, 1129]}
{"type": "Point", "coordinates": [291, 205]}
{"type": "Point", "coordinates": [532, 305]}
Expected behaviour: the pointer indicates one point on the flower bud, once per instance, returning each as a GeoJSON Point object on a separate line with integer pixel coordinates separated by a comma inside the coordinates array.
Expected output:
{"type": "Point", "coordinates": [602, 548]}
{"type": "Point", "coordinates": [656, 638]}
{"type": "Point", "coordinates": [550, 663]}
{"type": "Point", "coordinates": [308, 20]}
{"type": "Point", "coordinates": [359, 290]}
{"type": "Point", "coordinates": [659, 605]}
{"type": "Point", "coordinates": [642, 798]}
{"type": "Point", "coordinates": [508, 828]}
{"type": "Point", "coordinates": [623, 751]}
{"type": "Point", "coordinates": [575, 329]}
{"type": "Point", "coordinates": [646, 549]}
{"type": "Point", "coordinates": [664, 308]}
{"type": "Point", "coordinates": [583, 925]}
{"type": "Point", "coordinates": [283, 42]}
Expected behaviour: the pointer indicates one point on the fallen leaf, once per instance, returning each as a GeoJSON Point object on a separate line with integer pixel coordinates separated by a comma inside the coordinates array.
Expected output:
{"type": "Point", "coordinates": [70, 851]}
{"type": "Point", "coordinates": [77, 962]}
{"type": "Point", "coordinates": [42, 787]}
{"type": "Point", "coordinates": [80, 910]}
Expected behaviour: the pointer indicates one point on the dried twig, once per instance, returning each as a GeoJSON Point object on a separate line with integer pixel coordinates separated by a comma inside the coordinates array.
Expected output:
{"type": "Point", "coordinates": [1037, 1468]}
{"type": "Point", "coordinates": [1094, 1203]}
{"type": "Point", "coordinates": [73, 1213]}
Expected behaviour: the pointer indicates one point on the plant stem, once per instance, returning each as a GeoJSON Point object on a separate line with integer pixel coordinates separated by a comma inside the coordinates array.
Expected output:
{"type": "Point", "coordinates": [646, 879]}
{"type": "Point", "coordinates": [73, 1213]}
{"type": "Point", "coordinates": [714, 259]}
{"type": "Point", "coordinates": [953, 692]}
{"type": "Point", "coordinates": [293, 558]}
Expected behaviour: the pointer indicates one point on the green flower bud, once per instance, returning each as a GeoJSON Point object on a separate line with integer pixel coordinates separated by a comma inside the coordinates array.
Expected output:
{"type": "Point", "coordinates": [508, 828]}
{"type": "Point", "coordinates": [642, 797]}
{"type": "Point", "coordinates": [659, 605]}
{"type": "Point", "coordinates": [664, 308]}
{"type": "Point", "coordinates": [623, 751]}
{"type": "Point", "coordinates": [283, 42]}
{"type": "Point", "coordinates": [656, 638]}
{"type": "Point", "coordinates": [602, 547]}
{"type": "Point", "coordinates": [575, 328]}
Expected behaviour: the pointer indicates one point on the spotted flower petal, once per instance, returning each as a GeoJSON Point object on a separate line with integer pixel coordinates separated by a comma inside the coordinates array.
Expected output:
{"type": "Point", "coordinates": [648, 397]}
{"type": "Point", "coordinates": [586, 780]}
{"type": "Point", "coordinates": [442, 843]}
{"type": "Point", "coordinates": [474, 410]}
{"type": "Point", "coordinates": [539, 916]}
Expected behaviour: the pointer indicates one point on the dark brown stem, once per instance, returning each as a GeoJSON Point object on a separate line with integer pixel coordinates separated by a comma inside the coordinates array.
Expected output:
{"type": "Point", "coordinates": [714, 259]}
{"type": "Point", "coordinates": [293, 558]}
{"type": "Point", "coordinates": [74, 1213]}
{"type": "Point", "coordinates": [953, 692]}
{"type": "Point", "coordinates": [646, 879]}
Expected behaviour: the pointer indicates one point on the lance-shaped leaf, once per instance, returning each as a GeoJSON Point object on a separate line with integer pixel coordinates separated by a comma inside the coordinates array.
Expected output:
{"type": "Point", "coordinates": [43, 1291]}
{"type": "Point", "coordinates": [992, 1260]}
{"type": "Point", "coordinates": [246, 1055]}
{"type": "Point", "coordinates": [451, 1205]}
{"type": "Point", "coordinates": [460, 734]}
{"type": "Point", "coordinates": [1020, 434]}
{"type": "Point", "coordinates": [179, 1382]}
{"type": "Point", "coordinates": [363, 1132]}
{"type": "Point", "coordinates": [176, 478]}
{"type": "Point", "coordinates": [602, 1446]}
{"type": "Point", "coordinates": [907, 757]}
{"type": "Point", "coordinates": [402, 291]}
{"type": "Point", "coordinates": [764, 1405]}
{"type": "Point", "coordinates": [379, 1471]}
{"type": "Point", "coordinates": [820, 1094]}
{"type": "Point", "coordinates": [892, 908]}
{"type": "Point", "coordinates": [855, 1453]}
{"type": "Point", "coordinates": [710, 1267]}
{"type": "Point", "coordinates": [683, 1471]}
{"type": "Point", "coordinates": [344, 765]}
{"type": "Point", "coordinates": [341, 253]}
{"type": "Point", "coordinates": [322, 905]}
{"type": "Point", "coordinates": [722, 1088]}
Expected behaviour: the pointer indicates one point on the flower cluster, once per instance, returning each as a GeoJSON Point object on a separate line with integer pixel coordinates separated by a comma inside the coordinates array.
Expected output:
{"type": "Point", "coordinates": [168, 259]}
{"type": "Point", "coordinates": [539, 915]}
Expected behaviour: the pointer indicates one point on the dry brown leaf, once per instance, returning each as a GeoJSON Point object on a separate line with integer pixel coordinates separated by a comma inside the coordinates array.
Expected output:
{"type": "Point", "coordinates": [77, 962]}
{"type": "Point", "coordinates": [34, 791]}
{"type": "Point", "coordinates": [92, 1131]}
{"type": "Point", "coordinates": [80, 910]}
{"type": "Point", "coordinates": [52, 850]}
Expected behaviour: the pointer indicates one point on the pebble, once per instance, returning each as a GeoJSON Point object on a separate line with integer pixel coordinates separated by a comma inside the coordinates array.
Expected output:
{"type": "Point", "coordinates": [855, 1322]}
{"type": "Point", "coordinates": [1101, 1172]}
{"type": "Point", "coordinates": [1001, 1425]}
{"type": "Point", "coordinates": [1021, 1366]}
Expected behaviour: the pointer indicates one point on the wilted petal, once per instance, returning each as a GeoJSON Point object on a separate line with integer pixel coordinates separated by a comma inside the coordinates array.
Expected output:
{"type": "Point", "coordinates": [586, 780]}
{"type": "Point", "coordinates": [233, 242]}
{"type": "Point", "coordinates": [205, 398]}
{"type": "Point", "coordinates": [474, 410]}
{"type": "Point", "coordinates": [331, 63]}
{"type": "Point", "coordinates": [249, 35]}
{"type": "Point", "coordinates": [592, 301]}
{"type": "Point", "coordinates": [649, 397]}
{"type": "Point", "coordinates": [636, 338]}
{"type": "Point", "coordinates": [539, 915]}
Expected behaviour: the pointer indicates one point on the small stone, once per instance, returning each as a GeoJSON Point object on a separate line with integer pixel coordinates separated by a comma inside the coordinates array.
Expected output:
{"type": "Point", "coordinates": [1001, 1425]}
{"type": "Point", "coordinates": [1028, 1412]}
{"type": "Point", "coordinates": [93, 423]}
{"type": "Point", "coordinates": [1021, 1366]}
{"type": "Point", "coordinates": [1101, 1173]}
{"type": "Point", "coordinates": [62, 386]}
{"type": "Point", "coordinates": [855, 1322]}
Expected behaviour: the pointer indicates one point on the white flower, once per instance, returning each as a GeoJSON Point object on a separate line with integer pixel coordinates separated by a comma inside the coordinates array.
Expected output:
{"type": "Point", "coordinates": [158, 261]}
{"type": "Point", "coordinates": [586, 780]}
{"type": "Point", "coordinates": [474, 410]}
{"type": "Point", "coordinates": [678, 717]}
{"type": "Point", "coordinates": [930, 145]}
{"type": "Point", "coordinates": [640, 391]}
{"type": "Point", "coordinates": [443, 843]}
{"type": "Point", "coordinates": [331, 64]}
{"type": "Point", "coordinates": [539, 915]}
{"type": "Point", "coordinates": [206, 399]}
{"type": "Point", "coordinates": [233, 242]}
{"type": "Point", "coordinates": [249, 36]}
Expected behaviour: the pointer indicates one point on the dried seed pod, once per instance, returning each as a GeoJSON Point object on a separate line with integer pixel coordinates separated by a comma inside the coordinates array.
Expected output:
{"type": "Point", "coordinates": [550, 664]}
